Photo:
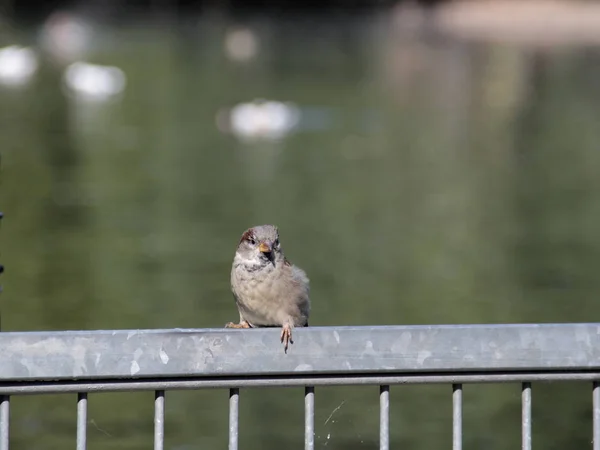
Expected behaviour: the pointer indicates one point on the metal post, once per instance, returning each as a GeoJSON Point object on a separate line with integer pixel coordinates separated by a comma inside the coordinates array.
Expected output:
{"type": "Point", "coordinates": [159, 420]}
{"type": "Point", "coordinates": [526, 416]}
{"type": "Point", "coordinates": [234, 403]}
{"type": "Point", "coordinates": [82, 421]}
{"type": "Point", "coordinates": [457, 417]}
{"type": "Point", "coordinates": [384, 417]}
{"type": "Point", "coordinates": [4, 421]}
{"type": "Point", "coordinates": [596, 415]}
{"type": "Point", "coordinates": [309, 418]}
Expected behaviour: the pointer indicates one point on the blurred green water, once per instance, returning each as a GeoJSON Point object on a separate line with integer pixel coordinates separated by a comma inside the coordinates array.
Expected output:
{"type": "Point", "coordinates": [456, 206]}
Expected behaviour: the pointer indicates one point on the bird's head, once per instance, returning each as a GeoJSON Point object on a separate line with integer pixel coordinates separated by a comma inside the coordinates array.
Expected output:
{"type": "Point", "coordinates": [260, 246]}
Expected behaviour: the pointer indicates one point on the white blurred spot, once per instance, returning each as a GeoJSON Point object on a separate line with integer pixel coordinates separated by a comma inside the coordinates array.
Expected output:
{"type": "Point", "coordinates": [241, 44]}
{"type": "Point", "coordinates": [17, 65]}
{"type": "Point", "coordinates": [94, 82]}
{"type": "Point", "coordinates": [263, 120]}
{"type": "Point", "coordinates": [66, 37]}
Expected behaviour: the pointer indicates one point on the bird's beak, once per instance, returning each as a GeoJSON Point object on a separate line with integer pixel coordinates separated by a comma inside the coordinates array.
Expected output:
{"type": "Point", "coordinates": [265, 248]}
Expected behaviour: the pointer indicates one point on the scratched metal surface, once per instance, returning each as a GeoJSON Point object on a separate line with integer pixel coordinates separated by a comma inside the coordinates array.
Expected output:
{"type": "Point", "coordinates": [317, 350]}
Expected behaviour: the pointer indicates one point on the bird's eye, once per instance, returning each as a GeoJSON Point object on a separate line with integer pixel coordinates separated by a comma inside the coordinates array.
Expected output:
{"type": "Point", "coordinates": [252, 240]}
{"type": "Point", "coordinates": [276, 243]}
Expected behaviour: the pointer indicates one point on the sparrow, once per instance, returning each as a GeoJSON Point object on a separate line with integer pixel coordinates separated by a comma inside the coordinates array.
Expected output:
{"type": "Point", "coordinates": [269, 290]}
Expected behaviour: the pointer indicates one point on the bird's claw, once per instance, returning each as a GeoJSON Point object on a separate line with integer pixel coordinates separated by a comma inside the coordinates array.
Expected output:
{"type": "Point", "coordinates": [286, 336]}
{"type": "Point", "coordinates": [242, 324]}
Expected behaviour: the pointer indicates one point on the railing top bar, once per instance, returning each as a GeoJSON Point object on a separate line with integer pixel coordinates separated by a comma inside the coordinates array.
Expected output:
{"type": "Point", "coordinates": [361, 328]}
{"type": "Point", "coordinates": [136, 354]}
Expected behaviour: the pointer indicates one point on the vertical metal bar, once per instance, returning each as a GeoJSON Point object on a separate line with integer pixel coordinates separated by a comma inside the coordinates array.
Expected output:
{"type": "Point", "coordinates": [82, 421]}
{"type": "Point", "coordinates": [526, 416]}
{"type": "Point", "coordinates": [596, 414]}
{"type": "Point", "coordinates": [309, 418]}
{"type": "Point", "coordinates": [384, 417]}
{"type": "Point", "coordinates": [234, 403]}
{"type": "Point", "coordinates": [4, 421]}
{"type": "Point", "coordinates": [457, 417]}
{"type": "Point", "coordinates": [159, 420]}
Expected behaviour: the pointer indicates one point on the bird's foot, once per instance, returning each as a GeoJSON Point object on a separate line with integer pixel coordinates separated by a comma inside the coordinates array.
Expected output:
{"type": "Point", "coordinates": [242, 324]}
{"type": "Point", "coordinates": [286, 336]}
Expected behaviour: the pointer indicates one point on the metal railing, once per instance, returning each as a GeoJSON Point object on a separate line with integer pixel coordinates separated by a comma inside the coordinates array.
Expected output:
{"type": "Point", "coordinates": [83, 362]}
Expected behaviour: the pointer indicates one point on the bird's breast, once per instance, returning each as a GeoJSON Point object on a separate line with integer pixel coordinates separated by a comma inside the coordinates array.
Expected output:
{"type": "Point", "coordinates": [267, 297]}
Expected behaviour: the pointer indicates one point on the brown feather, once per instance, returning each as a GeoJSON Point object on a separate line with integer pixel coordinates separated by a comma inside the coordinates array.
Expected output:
{"type": "Point", "coordinates": [248, 234]}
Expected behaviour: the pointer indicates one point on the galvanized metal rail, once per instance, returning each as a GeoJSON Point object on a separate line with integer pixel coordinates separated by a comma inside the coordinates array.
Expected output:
{"type": "Point", "coordinates": [84, 362]}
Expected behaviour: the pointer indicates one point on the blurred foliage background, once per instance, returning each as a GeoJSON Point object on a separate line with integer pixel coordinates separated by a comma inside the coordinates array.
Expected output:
{"type": "Point", "coordinates": [430, 179]}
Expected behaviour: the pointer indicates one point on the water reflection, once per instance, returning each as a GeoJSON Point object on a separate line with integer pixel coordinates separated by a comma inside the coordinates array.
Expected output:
{"type": "Point", "coordinates": [449, 207]}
